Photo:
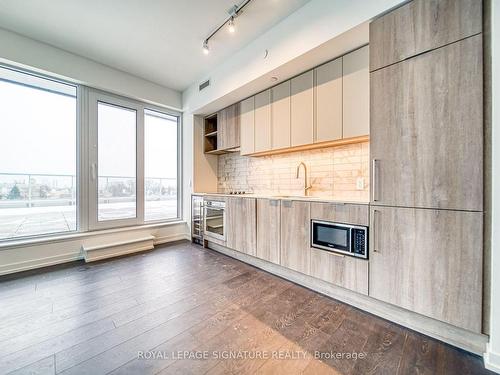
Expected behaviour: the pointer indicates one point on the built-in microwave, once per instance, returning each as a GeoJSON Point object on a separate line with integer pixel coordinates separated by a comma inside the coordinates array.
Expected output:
{"type": "Point", "coordinates": [340, 238]}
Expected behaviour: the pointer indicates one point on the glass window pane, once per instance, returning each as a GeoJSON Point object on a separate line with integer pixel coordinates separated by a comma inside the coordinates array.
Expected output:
{"type": "Point", "coordinates": [160, 166]}
{"type": "Point", "coordinates": [116, 162]}
{"type": "Point", "coordinates": [37, 155]}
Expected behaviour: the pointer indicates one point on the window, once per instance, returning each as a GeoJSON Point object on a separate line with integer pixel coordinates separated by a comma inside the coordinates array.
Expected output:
{"type": "Point", "coordinates": [160, 166]}
{"type": "Point", "coordinates": [38, 126]}
{"type": "Point", "coordinates": [134, 158]}
{"type": "Point", "coordinates": [116, 147]}
{"type": "Point", "coordinates": [125, 157]}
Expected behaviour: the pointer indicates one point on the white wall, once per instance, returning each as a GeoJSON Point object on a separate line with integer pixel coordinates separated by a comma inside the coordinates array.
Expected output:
{"type": "Point", "coordinates": [314, 24]}
{"type": "Point", "coordinates": [492, 357]}
{"type": "Point", "coordinates": [34, 55]}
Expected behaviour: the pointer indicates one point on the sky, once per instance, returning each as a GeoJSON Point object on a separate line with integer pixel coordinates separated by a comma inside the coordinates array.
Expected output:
{"type": "Point", "coordinates": [37, 131]}
{"type": "Point", "coordinates": [38, 136]}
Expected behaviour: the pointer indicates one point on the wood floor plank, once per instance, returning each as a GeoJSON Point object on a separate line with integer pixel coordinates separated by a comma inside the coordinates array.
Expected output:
{"type": "Point", "coordinates": [45, 366]}
{"type": "Point", "coordinates": [35, 353]}
{"type": "Point", "coordinates": [120, 354]}
{"type": "Point", "coordinates": [95, 318]}
{"type": "Point", "coordinates": [49, 331]}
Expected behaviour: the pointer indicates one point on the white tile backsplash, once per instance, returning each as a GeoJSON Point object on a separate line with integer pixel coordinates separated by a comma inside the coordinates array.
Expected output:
{"type": "Point", "coordinates": [333, 172]}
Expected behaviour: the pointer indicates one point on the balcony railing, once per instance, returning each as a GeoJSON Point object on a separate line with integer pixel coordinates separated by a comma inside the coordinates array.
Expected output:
{"type": "Point", "coordinates": [45, 190]}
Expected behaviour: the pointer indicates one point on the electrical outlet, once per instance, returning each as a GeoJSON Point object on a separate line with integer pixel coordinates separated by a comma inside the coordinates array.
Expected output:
{"type": "Point", "coordinates": [360, 183]}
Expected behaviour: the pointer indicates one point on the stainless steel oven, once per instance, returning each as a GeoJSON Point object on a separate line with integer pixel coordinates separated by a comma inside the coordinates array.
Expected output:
{"type": "Point", "coordinates": [340, 238]}
{"type": "Point", "coordinates": [214, 219]}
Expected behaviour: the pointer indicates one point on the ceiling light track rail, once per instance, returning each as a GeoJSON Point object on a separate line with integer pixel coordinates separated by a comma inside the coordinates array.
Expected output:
{"type": "Point", "coordinates": [233, 13]}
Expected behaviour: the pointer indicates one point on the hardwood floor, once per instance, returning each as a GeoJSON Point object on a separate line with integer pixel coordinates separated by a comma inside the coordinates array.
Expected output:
{"type": "Point", "coordinates": [151, 313]}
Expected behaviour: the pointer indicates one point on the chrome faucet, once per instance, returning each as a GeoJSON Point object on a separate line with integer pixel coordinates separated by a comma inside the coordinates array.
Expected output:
{"type": "Point", "coordinates": [306, 186]}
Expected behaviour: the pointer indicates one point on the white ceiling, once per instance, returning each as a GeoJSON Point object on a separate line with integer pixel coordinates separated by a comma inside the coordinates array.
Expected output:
{"type": "Point", "coordinates": [158, 40]}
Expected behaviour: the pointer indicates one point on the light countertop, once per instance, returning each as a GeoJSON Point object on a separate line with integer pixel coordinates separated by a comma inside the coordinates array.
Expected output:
{"type": "Point", "coordinates": [325, 199]}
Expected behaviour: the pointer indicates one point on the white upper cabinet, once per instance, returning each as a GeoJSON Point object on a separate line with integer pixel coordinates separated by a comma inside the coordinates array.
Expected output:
{"type": "Point", "coordinates": [280, 115]}
{"type": "Point", "coordinates": [328, 104]}
{"type": "Point", "coordinates": [247, 123]}
{"type": "Point", "coordinates": [356, 93]}
{"type": "Point", "coordinates": [302, 109]}
{"type": "Point", "coordinates": [263, 121]}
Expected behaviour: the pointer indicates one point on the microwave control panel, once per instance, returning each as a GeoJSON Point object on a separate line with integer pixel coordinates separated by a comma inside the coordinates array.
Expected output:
{"type": "Point", "coordinates": [359, 241]}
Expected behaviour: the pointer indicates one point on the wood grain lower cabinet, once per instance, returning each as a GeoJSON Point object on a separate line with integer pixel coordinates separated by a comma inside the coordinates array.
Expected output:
{"type": "Point", "coordinates": [341, 270]}
{"type": "Point", "coordinates": [426, 136]}
{"type": "Point", "coordinates": [342, 213]}
{"type": "Point", "coordinates": [422, 25]}
{"type": "Point", "coordinates": [241, 225]}
{"type": "Point", "coordinates": [295, 235]}
{"type": "Point", "coordinates": [268, 229]}
{"type": "Point", "coordinates": [247, 126]}
{"type": "Point", "coordinates": [428, 261]}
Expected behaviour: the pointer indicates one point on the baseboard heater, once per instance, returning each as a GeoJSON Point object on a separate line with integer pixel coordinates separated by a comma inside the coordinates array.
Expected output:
{"type": "Point", "coordinates": [114, 249]}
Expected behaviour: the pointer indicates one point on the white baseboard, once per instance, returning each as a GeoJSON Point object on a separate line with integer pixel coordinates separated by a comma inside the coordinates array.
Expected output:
{"type": "Point", "coordinates": [38, 263]}
{"type": "Point", "coordinates": [491, 360]}
{"type": "Point", "coordinates": [119, 248]}
{"type": "Point", "coordinates": [461, 338]}
{"type": "Point", "coordinates": [171, 238]}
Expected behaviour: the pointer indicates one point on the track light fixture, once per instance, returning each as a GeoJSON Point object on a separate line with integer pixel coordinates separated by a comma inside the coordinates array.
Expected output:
{"type": "Point", "coordinates": [234, 12]}
{"type": "Point", "coordinates": [206, 49]}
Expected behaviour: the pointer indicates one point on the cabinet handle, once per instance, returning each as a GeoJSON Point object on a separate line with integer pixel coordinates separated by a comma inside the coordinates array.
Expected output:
{"type": "Point", "coordinates": [374, 180]}
{"type": "Point", "coordinates": [93, 170]}
{"type": "Point", "coordinates": [375, 232]}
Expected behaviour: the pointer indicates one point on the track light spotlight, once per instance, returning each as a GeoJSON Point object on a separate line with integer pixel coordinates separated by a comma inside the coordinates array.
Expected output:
{"type": "Point", "coordinates": [230, 25]}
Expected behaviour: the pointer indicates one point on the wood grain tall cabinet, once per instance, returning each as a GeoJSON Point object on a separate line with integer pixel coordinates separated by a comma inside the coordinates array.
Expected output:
{"type": "Point", "coordinates": [426, 145]}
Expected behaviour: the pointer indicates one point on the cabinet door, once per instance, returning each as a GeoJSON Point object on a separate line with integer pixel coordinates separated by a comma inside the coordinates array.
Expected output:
{"type": "Point", "coordinates": [280, 115]}
{"type": "Point", "coordinates": [228, 128]}
{"type": "Point", "coordinates": [263, 121]}
{"type": "Point", "coordinates": [356, 94]}
{"type": "Point", "coordinates": [328, 104]}
{"type": "Point", "coordinates": [241, 225]}
{"type": "Point", "coordinates": [247, 126]}
{"type": "Point", "coordinates": [343, 213]}
{"type": "Point", "coordinates": [295, 236]}
{"type": "Point", "coordinates": [268, 229]}
{"type": "Point", "coordinates": [341, 270]}
{"type": "Point", "coordinates": [221, 127]}
{"type": "Point", "coordinates": [231, 132]}
{"type": "Point", "coordinates": [428, 261]}
{"type": "Point", "coordinates": [426, 140]}
{"type": "Point", "coordinates": [420, 26]}
{"type": "Point", "coordinates": [302, 102]}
